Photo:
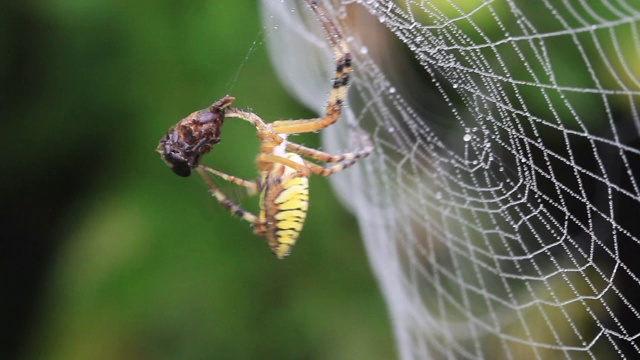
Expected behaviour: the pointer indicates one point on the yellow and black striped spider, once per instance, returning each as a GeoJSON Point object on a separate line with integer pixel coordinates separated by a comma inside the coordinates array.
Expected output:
{"type": "Point", "coordinates": [284, 174]}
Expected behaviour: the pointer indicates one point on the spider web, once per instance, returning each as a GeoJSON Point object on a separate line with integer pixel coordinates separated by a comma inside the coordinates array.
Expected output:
{"type": "Point", "coordinates": [499, 208]}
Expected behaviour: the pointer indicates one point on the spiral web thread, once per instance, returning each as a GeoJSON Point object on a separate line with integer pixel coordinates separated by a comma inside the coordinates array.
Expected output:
{"type": "Point", "coordinates": [499, 209]}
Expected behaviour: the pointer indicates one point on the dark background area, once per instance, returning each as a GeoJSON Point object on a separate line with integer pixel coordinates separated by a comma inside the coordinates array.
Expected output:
{"type": "Point", "coordinates": [108, 255]}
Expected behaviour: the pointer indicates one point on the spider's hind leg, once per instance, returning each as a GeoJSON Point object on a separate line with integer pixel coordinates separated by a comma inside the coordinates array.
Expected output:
{"type": "Point", "coordinates": [343, 161]}
{"type": "Point", "coordinates": [232, 207]}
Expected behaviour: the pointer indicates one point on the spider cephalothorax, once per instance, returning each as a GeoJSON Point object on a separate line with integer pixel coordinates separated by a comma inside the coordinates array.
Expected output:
{"type": "Point", "coordinates": [192, 137]}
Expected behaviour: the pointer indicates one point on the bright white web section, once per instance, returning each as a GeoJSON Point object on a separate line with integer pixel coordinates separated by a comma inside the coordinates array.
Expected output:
{"type": "Point", "coordinates": [500, 209]}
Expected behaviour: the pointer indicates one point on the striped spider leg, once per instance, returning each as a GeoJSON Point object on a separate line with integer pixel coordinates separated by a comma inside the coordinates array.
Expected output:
{"type": "Point", "coordinates": [339, 84]}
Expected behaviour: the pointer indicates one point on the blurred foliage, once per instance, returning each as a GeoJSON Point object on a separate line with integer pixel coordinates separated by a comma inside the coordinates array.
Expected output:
{"type": "Point", "coordinates": [119, 258]}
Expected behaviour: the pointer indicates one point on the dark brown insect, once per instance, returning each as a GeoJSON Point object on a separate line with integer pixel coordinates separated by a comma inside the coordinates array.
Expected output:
{"type": "Point", "coordinates": [192, 137]}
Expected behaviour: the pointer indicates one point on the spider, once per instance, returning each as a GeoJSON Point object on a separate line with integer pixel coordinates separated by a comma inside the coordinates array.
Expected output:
{"type": "Point", "coordinates": [283, 180]}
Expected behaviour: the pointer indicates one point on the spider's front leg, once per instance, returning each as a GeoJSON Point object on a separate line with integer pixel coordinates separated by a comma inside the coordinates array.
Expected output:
{"type": "Point", "coordinates": [269, 140]}
{"type": "Point", "coordinates": [339, 82]}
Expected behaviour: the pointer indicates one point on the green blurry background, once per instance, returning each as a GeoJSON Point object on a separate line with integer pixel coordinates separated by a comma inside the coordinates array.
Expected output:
{"type": "Point", "coordinates": [107, 254]}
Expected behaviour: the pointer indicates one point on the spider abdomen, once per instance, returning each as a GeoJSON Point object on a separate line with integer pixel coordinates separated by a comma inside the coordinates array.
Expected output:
{"type": "Point", "coordinates": [284, 202]}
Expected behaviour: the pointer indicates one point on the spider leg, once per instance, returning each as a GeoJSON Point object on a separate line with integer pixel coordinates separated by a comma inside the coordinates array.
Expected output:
{"type": "Point", "coordinates": [339, 83]}
{"type": "Point", "coordinates": [233, 208]}
{"type": "Point", "coordinates": [326, 157]}
{"type": "Point", "coordinates": [349, 160]}
{"type": "Point", "coordinates": [333, 110]}
{"type": "Point", "coordinates": [343, 161]}
{"type": "Point", "coordinates": [269, 140]}
{"type": "Point", "coordinates": [266, 160]}
{"type": "Point", "coordinates": [256, 121]}
{"type": "Point", "coordinates": [251, 185]}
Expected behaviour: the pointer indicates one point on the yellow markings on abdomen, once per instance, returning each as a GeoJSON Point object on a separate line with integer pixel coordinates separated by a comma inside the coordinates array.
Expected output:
{"type": "Point", "coordinates": [286, 201]}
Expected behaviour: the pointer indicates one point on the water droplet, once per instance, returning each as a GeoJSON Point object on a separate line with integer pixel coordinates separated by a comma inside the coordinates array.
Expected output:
{"type": "Point", "coordinates": [392, 90]}
{"type": "Point", "coordinates": [342, 12]}
{"type": "Point", "coordinates": [364, 50]}
{"type": "Point", "coordinates": [466, 137]}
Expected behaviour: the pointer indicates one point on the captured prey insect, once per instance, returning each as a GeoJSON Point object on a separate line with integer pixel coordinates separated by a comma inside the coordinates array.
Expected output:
{"type": "Point", "coordinates": [186, 142]}
{"type": "Point", "coordinates": [283, 172]}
